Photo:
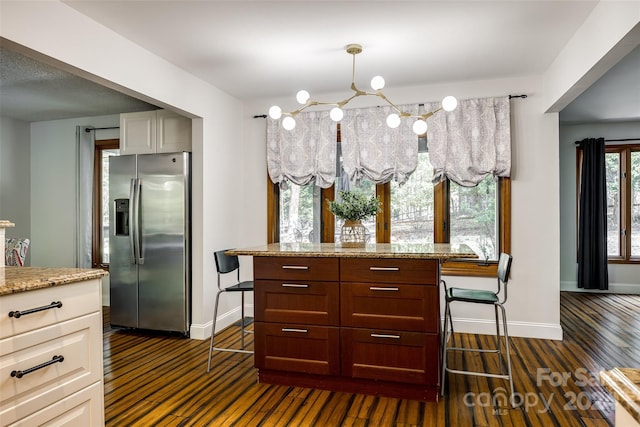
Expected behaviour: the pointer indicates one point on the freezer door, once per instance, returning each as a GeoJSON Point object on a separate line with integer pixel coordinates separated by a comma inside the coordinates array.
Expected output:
{"type": "Point", "coordinates": [164, 267]}
{"type": "Point", "coordinates": [123, 273]}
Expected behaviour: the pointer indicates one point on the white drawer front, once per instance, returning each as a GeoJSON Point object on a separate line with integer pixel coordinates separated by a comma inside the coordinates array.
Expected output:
{"type": "Point", "coordinates": [77, 299]}
{"type": "Point", "coordinates": [84, 408]}
{"type": "Point", "coordinates": [78, 340]}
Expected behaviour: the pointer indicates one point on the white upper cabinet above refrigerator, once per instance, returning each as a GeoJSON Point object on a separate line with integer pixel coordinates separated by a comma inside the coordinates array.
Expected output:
{"type": "Point", "coordinates": [150, 132]}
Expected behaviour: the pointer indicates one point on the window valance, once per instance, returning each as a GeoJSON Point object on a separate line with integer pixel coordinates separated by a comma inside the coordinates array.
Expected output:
{"type": "Point", "coordinates": [371, 149]}
{"type": "Point", "coordinates": [305, 154]}
{"type": "Point", "coordinates": [471, 142]}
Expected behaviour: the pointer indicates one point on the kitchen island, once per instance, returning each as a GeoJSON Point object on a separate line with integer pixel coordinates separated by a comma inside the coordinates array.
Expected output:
{"type": "Point", "coordinates": [360, 320]}
{"type": "Point", "coordinates": [51, 346]}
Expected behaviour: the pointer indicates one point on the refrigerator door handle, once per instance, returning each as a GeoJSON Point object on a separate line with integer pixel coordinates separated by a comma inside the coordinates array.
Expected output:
{"type": "Point", "coordinates": [139, 222]}
{"type": "Point", "coordinates": [133, 229]}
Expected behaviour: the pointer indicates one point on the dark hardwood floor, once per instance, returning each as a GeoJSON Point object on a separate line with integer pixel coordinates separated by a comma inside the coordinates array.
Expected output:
{"type": "Point", "coordinates": [160, 380]}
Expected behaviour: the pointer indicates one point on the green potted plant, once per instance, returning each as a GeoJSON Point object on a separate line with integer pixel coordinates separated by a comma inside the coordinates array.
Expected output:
{"type": "Point", "coordinates": [353, 207]}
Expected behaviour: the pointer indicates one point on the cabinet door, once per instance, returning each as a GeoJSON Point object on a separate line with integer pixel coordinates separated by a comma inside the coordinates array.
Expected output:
{"type": "Point", "coordinates": [138, 133]}
{"type": "Point", "coordinates": [390, 306]}
{"type": "Point", "coordinates": [173, 132]}
{"type": "Point", "coordinates": [297, 348]}
{"type": "Point", "coordinates": [384, 355]}
{"type": "Point", "coordinates": [310, 303]}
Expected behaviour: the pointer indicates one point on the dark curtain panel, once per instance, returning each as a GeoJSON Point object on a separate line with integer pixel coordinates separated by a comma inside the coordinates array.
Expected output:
{"type": "Point", "coordinates": [592, 217]}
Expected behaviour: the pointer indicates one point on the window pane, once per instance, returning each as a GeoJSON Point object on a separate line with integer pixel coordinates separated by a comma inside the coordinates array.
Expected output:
{"type": "Point", "coordinates": [613, 203]}
{"type": "Point", "coordinates": [104, 202]}
{"type": "Point", "coordinates": [300, 213]}
{"type": "Point", "coordinates": [635, 203]}
{"type": "Point", "coordinates": [474, 218]}
{"type": "Point", "coordinates": [412, 205]}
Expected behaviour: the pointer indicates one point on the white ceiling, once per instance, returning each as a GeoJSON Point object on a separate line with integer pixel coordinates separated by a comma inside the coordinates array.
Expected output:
{"type": "Point", "coordinates": [263, 49]}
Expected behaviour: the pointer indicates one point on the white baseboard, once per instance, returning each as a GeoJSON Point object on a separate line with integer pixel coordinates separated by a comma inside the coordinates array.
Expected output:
{"type": "Point", "coordinates": [614, 288]}
{"type": "Point", "coordinates": [203, 331]}
{"type": "Point", "coordinates": [547, 331]}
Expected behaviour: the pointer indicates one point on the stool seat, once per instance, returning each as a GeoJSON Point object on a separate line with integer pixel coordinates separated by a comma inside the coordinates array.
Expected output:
{"type": "Point", "coordinates": [471, 295]}
{"type": "Point", "coordinates": [246, 286]}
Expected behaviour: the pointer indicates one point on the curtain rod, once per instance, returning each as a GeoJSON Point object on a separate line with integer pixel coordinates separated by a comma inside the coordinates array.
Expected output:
{"type": "Point", "coordinates": [90, 128]}
{"type": "Point", "coordinates": [616, 140]}
{"type": "Point", "coordinates": [264, 116]}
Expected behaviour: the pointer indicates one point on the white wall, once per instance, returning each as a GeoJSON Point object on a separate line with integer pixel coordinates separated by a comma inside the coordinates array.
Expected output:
{"type": "Point", "coordinates": [65, 38]}
{"type": "Point", "coordinates": [535, 222]}
{"type": "Point", "coordinates": [623, 278]}
{"type": "Point", "coordinates": [15, 178]}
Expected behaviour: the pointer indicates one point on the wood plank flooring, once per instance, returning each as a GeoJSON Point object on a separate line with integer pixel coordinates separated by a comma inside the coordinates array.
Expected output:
{"type": "Point", "coordinates": [160, 380]}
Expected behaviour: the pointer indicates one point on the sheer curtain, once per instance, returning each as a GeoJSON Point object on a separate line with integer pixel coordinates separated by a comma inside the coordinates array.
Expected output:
{"type": "Point", "coordinates": [305, 154]}
{"type": "Point", "coordinates": [592, 217]}
{"type": "Point", "coordinates": [85, 147]}
{"type": "Point", "coordinates": [471, 142]}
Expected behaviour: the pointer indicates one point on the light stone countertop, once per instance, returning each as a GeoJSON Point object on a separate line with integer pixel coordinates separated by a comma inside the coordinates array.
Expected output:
{"type": "Point", "coordinates": [624, 385]}
{"type": "Point", "coordinates": [372, 250]}
{"type": "Point", "coordinates": [6, 224]}
{"type": "Point", "coordinates": [21, 279]}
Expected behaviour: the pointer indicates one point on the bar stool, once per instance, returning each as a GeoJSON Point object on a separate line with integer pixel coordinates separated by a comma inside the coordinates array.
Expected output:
{"type": "Point", "coordinates": [226, 264]}
{"type": "Point", "coordinates": [480, 297]}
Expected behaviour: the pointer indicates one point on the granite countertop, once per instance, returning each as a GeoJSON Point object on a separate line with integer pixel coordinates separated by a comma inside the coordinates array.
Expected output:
{"type": "Point", "coordinates": [372, 250]}
{"type": "Point", "coordinates": [6, 224]}
{"type": "Point", "coordinates": [21, 279]}
{"type": "Point", "coordinates": [624, 385]}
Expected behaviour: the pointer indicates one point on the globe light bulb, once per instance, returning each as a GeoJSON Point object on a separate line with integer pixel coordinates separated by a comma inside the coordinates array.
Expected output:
{"type": "Point", "coordinates": [377, 83]}
{"type": "Point", "coordinates": [393, 120]}
{"type": "Point", "coordinates": [336, 114]}
{"type": "Point", "coordinates": [288, 123]}
{"type": "Point", "coordinates": [275, 112]}
{"type": "Point", "coordinates": [449, 103]}
{"type": "Point", "coordinates": [420, 127]}
{"type": "Point", "coordinates": [302, 96]}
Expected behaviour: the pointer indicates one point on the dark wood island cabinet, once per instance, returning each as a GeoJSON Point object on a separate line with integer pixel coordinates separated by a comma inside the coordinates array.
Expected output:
{"type": "Point", "coordinates": [354, 320]}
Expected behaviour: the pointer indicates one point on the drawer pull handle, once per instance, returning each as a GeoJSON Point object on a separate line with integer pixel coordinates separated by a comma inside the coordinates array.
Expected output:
{"type": "Point", "coordinates": [395, 337]}
{"type": "Point", "coordinates": [384, 268]}
{"type": "Point", "coordinates": [294, 285]}
{"type": "Point", "coordinates": [20, 374]}
{"type": "Point", "coordinates": [377, 288]}
{"type": "Point", "coordinates": [295, 267]}
{"type": "Point", "coordinates": [302, 331]}
{"type": "Point", "coordinates": [18, 313]}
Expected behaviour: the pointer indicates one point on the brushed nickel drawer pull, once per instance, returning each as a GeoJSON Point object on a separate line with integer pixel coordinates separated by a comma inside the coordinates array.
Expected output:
{"type": "Point", "coordinates": [384, 268]}
{"type": "Point", "coordinates": [295, 267]}
{"type": "Point", "coordinates": [377, 288]}
{"type": "Point", "coordinates": [396, 337]}
{"type": "Point", "coordinates": [17, 313]}
{"type": "Point", "coordinates": [302, 331]}
{"type": "Point", "coordinates": [294, 285]}
{"type": "Point", "coordinates": [20, 374]}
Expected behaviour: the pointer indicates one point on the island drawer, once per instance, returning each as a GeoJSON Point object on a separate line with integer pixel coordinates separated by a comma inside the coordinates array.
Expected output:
{"type": "Point", "coordinates": [296, 268]}
{"type": "Point", "coordinates": [72, 352]}
{"type": "Point", "coordinates": [390, 306]}
{"type": "Point", "coordinates": [385, 270]}
{"type": "Point", "coordinates": [310, 302]}
{"type": "Point", "coordinates": [297, 348]}
{"type": "Point", "coordinates": [383, 355]}
{"type": "Point", "coordinates": [76, 299]}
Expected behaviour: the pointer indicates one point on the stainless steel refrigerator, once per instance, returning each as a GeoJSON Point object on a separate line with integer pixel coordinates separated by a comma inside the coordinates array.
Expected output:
{"type": "Point", "coordinates": [149, 241]}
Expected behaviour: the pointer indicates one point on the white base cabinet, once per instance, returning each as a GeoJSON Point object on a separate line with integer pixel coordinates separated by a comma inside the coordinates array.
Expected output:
{"type": "Point", "coordinates": [51, 361]}
{"type": "Point", "coordinates": [150, 132]}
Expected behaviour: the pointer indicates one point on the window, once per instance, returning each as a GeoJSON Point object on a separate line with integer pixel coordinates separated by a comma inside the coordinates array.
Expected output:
{"type": "Point", "coordinates": [623, 202]}
{"type": "Point", "coordinates": [417, 211]}
{"type": "Point", "coordinates": [100, 235]}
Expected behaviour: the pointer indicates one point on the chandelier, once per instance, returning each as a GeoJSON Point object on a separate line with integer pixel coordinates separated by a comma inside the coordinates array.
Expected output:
{"type": "Point", "coordinates": [394, 119]}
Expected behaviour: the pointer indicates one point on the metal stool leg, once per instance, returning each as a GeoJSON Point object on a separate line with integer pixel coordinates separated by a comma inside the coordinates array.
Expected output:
{"type": "Point", "coordinates": [445, 339]}
{"type": "Point", "coordinates": [242, 322]}
{"type": "Point", "coordinates": [213, 329]}
{"type": "Point", "coordinates": [508, 345]}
